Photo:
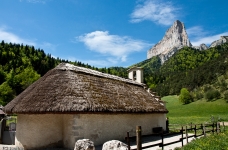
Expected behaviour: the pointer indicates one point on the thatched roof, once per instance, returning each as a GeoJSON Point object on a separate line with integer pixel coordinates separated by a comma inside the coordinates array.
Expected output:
{"type": "Point", "coordinates": [2, 112]}
{"type": "Point", "coordinates": [71, 89]}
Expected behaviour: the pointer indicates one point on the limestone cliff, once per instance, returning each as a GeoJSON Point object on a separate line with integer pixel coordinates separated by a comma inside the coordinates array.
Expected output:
{"type": "Point", "coordinates": [201, 47]}
{"type": "Point", "coordinates": [174, 39]}
{"type": "Point", "coordinates": [223, 39]}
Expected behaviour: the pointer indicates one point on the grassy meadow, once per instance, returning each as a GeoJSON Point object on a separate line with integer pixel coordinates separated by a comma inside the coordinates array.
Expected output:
{"type": "Point", "coordinates": [200, 111]}
{"type": "Point", "coordinates": [213, 142]}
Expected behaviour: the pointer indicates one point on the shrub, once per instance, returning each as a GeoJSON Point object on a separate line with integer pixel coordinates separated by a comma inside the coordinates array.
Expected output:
{"type": "Point", "coordinates": [185, 96]}
{"type": "Point", "coordinates": [226, 96]}
{"type": "Point", "coordinates": [212, 94]}
{"type": "Point", "coordinates": [222, 83]}
{"type": "Point", "coordinates": [207, 88]}
{"type": "Point", "coordinates": [199, 95]}
{"type": "Point", "coordinates": [215, 119]}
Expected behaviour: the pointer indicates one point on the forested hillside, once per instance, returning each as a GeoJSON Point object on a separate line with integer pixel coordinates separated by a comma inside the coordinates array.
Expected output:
{"type": "Point", "coordinates": [21, 65]}
{"type": "Point", "coordinates": [189, 68]}
{"type": "Point", "coordinates": [192, 68]}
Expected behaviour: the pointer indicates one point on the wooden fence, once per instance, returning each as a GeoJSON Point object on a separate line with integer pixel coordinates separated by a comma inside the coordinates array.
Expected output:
{"type": "Point", "coordinates": [197, 129]}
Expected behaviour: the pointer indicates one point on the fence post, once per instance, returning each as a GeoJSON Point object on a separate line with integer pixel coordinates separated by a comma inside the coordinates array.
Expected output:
{"type": "Point", "coordinates": [128, 141]}
{"type": "Point", "coordinates": [217, 127]}
{"type": "Point", "coordinates": [213, 128]}
{"type": "Point", "coordinates": [182, 136]}
{"type": "Point", "coordinates": [223, 126]}
{"type": "Point", "coordinates": [195, 130]}
{"type": "Point", "coordinates": [186, 133]}
{"type": "Point", "coordinates": [204, 130]}
{"type": "Point", "coordinates": [167, 125]}
{"type": "Point", "coordinates": [202, 127]}
{"type": "Point", "coordinates": [138, 137]}
{"type": "Point", "coordinates": [162, 136]}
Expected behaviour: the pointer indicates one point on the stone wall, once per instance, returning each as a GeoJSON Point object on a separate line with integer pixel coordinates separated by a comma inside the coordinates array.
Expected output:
{"type": "Point", "coordinates": [101, 128]}
{"type": "Point", "coordinates": [35, 131]}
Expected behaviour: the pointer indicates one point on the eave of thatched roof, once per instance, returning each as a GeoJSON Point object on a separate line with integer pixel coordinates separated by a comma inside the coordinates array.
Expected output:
{"type": "Point", "coordinates": [71, 89]}
{"type": "Point", "coordinates": [2, 112]}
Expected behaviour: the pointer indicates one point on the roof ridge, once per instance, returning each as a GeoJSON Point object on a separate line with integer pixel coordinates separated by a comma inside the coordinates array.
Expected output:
{"type": "Point", "coordinates": [67, 66]}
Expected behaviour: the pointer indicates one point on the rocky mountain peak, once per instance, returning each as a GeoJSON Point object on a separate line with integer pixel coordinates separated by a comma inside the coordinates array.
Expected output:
{"type": "Point", "coordinates": [223, 39]}
{"type": "Point", "coordinates": [201, 47]}
{"type": "Point", "coordinates": [175, 38]}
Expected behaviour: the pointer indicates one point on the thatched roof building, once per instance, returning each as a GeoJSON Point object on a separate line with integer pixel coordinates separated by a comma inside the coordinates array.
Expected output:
{"type": "Point", "coordinates": [70, 103]}
{"type": "Point", "coordinates": [71, 89]}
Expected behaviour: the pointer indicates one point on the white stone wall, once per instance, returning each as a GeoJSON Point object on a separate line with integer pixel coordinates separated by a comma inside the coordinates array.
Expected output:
{"type": "Point", "coordinates": [38, 130]}
{"type": "Point", "coordinates": [35, 131]}
{"type": "Point", "coordinates": [130, 75]}
{"type": "Point", "coordinates": [101, 128]}
{"type": "Point", "coordinates": [73, 130]}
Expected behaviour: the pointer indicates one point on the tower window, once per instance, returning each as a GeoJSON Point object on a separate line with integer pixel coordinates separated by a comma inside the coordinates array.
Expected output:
{"type": "Point", "coordinates": [134, 75]}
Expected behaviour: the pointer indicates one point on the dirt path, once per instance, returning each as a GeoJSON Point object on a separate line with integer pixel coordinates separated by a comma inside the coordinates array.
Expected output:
{"type": "Point", "coordinates": [157, 139]}
{"type": "Point", "coordinates": [225, 123]}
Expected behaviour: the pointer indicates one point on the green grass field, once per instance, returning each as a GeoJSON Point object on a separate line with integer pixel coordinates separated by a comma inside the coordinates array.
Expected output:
{"type": "Point", "coordinates": [213, 142]}
{"type": "Point", "coordinates": [195, 112]}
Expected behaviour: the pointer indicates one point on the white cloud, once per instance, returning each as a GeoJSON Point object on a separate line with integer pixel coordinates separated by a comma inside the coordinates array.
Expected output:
{"type": "Point", "coordinates": [157, 11]}
{"type": "Point", "coordinates": [207, 39]}
{"type": "Point", "coordinates": [198, 35]}
{"type": "Point", "coordinates": [196, 31]}
{"type": "Point", "coordinates": [112, 45]}
{"type": "Point", "coordinates": [13, 38]}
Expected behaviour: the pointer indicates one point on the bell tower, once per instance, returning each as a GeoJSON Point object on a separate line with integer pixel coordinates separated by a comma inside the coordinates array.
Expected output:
{"type": "Point", "coordinates": [136, 74]}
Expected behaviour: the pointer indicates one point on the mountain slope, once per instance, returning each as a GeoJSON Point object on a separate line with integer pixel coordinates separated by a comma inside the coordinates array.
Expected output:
{"type": "Point", "coordinates": [189, 68]}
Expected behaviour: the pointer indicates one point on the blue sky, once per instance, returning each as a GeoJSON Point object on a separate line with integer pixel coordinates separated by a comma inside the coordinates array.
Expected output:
{"type": "Point", "coordinates": [105, 33]}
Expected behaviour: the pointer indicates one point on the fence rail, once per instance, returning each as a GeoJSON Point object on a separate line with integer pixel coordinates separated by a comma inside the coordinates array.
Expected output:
{"type": "Point", "coordinates": [205, 128]}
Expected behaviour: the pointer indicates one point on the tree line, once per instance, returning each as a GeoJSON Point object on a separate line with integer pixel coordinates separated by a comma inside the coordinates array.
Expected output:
{"type": "Point", "coordinates": [21, 65]}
